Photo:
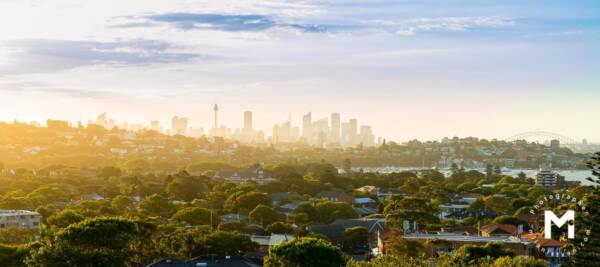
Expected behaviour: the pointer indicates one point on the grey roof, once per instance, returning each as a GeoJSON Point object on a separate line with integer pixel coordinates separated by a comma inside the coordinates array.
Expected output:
{"type": "Point", "coordinates": [168, 263]}
{"type": "Point", "coordinates": [330, 193]}
{"type": "Point", "coordinates": [334, 232]}
{"type": "Point", "coordinates": [234, 262]}
{"type": "Point", "coordinates": [467, 238]}
{"type": "Point", "coordinates": [283, 195]}
{"type": "Point", "coordinates": [371, 224]}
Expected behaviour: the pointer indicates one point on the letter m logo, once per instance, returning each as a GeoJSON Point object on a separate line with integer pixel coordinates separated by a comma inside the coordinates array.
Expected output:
{"type": "Point", "coordinates": [550, 217]}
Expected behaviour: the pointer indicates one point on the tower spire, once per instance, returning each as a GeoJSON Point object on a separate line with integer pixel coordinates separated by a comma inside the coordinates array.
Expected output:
{"type": "Point", "coordinates": [216, 110]}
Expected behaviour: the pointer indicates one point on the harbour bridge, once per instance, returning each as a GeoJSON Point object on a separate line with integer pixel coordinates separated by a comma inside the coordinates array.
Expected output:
{"type": "Point", "coordinates": [543, 137]}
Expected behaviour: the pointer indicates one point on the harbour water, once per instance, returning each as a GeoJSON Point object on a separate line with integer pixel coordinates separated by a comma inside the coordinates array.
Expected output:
{"type": "Point", "coordinates": [570, 174]}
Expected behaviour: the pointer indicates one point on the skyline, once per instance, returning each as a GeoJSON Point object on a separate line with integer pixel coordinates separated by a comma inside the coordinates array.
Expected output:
{"type": "Point", "coordinates": [244, 131]}
{"type": "Point", "coordinates": [467, 69]}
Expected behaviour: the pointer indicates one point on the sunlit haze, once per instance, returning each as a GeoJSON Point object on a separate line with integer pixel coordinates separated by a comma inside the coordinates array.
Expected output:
{"type": "Point", "coordinates": [464, 68]}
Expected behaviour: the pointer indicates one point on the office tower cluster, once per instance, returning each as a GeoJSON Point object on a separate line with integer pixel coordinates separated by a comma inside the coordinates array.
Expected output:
{"type": "Point", "coordinates": [329, 132]}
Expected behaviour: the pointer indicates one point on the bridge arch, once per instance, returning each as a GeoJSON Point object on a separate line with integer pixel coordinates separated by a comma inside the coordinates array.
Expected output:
{"type": "Point", "coordinates": [546, 136]}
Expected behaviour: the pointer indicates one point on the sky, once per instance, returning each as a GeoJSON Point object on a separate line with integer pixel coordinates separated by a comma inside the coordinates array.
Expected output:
{"type": "Point", "coordinates": [410, 69]}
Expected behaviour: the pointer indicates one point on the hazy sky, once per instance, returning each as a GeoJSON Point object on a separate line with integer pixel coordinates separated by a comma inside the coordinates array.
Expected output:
{"type": "Point", "coordinates": [411, 69]}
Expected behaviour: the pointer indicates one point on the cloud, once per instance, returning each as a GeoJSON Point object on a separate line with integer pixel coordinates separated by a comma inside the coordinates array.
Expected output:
{"type": "Point", "coordinates": [202, 21]}
{"type": "Point", "coordinates": [42, 55]}
{"type": "Point", "coordinates": [45, 88]}
{"type": "Point", "coordinates": [454, 24]}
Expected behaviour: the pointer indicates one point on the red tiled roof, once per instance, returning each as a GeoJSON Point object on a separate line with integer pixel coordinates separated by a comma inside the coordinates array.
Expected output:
{"type": "Point", "coordinates": [507, 228]}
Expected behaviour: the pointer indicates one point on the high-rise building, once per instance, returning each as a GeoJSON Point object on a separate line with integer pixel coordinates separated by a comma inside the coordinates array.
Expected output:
{"type": "Point", "coordinates": [102, 120]}
{"type": "Point", "coordinates": [367, 138]}
{"type": "Point", "coordinates": [345, 134]}
{"type": "Point", "coordinates": [179, 125]}
{"type": "Point", "coordinates": [155, 126]}
{"type": "Point", "coordinates": [549, 179]}
{"type": "Point", "coordinates": [196, 132]}
{"type": "Point", "coordinates": [320, 132]}
{"type": "Point", "coordinates": [353, 131]}
{"type": "Point", "coordinates": [248, 121]}
{"type": "Point", "coordinates": [335, 128]}
{"type": "Point", "coordinates": [307, 126]}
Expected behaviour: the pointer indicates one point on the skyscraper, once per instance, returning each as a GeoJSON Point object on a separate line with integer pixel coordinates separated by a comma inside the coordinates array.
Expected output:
{"type": "Point", "coordinates": [353, 131]}
{"type": "Point", "coordinates": [335, 128]}
{"type": "Point", "coordinates": [307, 126]}
{"type": "Point", "coordinates": [367, 138]}
{"type": "Point", "coordinates": [345, 136]}
{"type": "Point", "coordinates": [179, 125]}
{"type": "Point", "coordinates": [155, 126]}
{"type": "Point", "coordinates": [248, 121]}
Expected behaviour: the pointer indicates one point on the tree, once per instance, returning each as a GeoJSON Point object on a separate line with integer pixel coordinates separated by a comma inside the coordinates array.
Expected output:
{"type": "Point", "coordinates": [186, 187]}
{"type": "Point", "coordinates": [507, 219]}
{"type": "Point", "coordinates": [109, 171]}
{"type": "Point", "coordinates": [17, 235]}
{"type": "Point", "coordinates": [231, 226]}
{"type": "Point", "coordinates": [305, 252]}
{"type": "Point", "coordinates": [93, 242]}
{"type": "Point", "coordinates": [347, 166]}
{"type": "Point", "coordinates": [46, 211]}
{"type": "Point", "coordinates": [280, 228]}
{"type": "Point", "coordinates": [489, 170]}
{"type": "Point", "coordinates": [454, 168]}
{"type": "Point", "coordinates": [405, 248]}
{"type": "Point", "coordinates": [13, 256]}
{"type": "Point", "coordinates": [47, 194]}
{"type": "Point", "coordinates": [156, 205]}
{"type": "Point", "coordinates": [245, 202]}
{"type": "Point", "coordinates": [589, 254]}
{"type": "Point", "coordinates": [122, 203]}
{"type": "Point", "coordinates": [195, 216]}
{"type": "Point", "coordinates": [497, 170]}
{"type": "Point", "coordinates": [519, 261]}
{"type": "Point", "coordinates": [65, 218]}
{"type": "Point", "coordinates": [356, 237]}
{"type": "Point", "coordinates": [497, 204]}
{"type": "Point", "coordinates": [306, 208]}
{"type": "Point", "coordinates": [412, 209]}
{"type": "Point", "coordinates": [228, 243]}
{"type": "Point", "coordinates": [330, 211]}
{"type": "Point", "coordinates": [264, 215]}
{"type": "Point", "coordinates": [469, 254]}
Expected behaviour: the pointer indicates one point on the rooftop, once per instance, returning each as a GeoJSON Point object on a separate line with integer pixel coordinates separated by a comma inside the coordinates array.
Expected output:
{"type": "Point", "coordinates": [17, 212]}
{"type": "Point", "coordinates": [466, 238]}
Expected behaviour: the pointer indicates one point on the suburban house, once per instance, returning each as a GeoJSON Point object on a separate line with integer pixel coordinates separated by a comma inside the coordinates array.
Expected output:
{"type": "Point", "coordinates": [333, 232]}
{"type": "Point", "coordinates": [266, 242]}
{"type": "Point", "coordinates": [242, 176]}
{"type": "Point", "coordinates": [373, 226]}
{"type": "Point", "coordinates": [169, 263]}
{"type": "Point", "coordinates": [19, 218]}
{"type": "Point", "coordinates": [447, 243]}
{"type": "Point", "coordinates": [336, 196]}
{"type": "Point", "coordinates": [457, 211]}
{"type": "Point", "coordinates": [548, 249]}
{"type": "Point", "coordinates": [499, 230]}
{"type": "Point", "coordinates": [279, 197]}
